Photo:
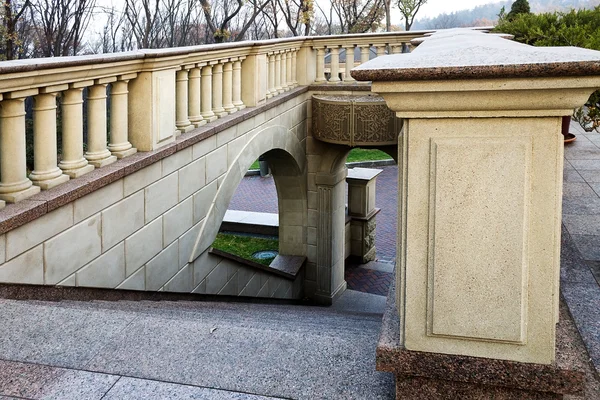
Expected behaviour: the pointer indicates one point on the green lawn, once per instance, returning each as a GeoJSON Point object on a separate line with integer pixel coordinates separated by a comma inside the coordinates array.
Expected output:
{"type": "Point", "coordinates": [355, 155]}
{"type": "Point", "coordinates": [245, 246]}
{"type": "Point", "coordinates": [359, 154]}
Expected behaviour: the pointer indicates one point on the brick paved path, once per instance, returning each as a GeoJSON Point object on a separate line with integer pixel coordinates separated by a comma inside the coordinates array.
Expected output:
{"type": "Point", "coordinates": [259, 195]}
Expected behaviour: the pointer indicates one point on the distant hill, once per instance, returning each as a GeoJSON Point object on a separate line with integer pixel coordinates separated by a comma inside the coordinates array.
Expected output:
{"type": "Point", "coordinates": [488, 14]}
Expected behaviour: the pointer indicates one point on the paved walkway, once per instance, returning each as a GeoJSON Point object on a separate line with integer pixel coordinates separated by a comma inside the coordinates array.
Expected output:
{"type": "Point", "coordinates": [191, 350]}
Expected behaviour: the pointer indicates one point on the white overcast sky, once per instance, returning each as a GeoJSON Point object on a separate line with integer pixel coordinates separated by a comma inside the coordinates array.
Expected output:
{"type": "Point", "coordinates": [435, 7]}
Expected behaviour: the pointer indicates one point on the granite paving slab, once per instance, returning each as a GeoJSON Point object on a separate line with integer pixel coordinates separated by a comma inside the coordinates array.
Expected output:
{"type": "Point", "coordinates": [33, 381]}
{"type": "Point", "coordinates": [588, 245]}
{"type": "Point", "coordinates": [140, 389]}
{"type": "Point", "coordinates": [282, 351]}
{"type": "Point", "coordinates": [47, 333]}
{"type": "Point", "coordinates": [276, 351]}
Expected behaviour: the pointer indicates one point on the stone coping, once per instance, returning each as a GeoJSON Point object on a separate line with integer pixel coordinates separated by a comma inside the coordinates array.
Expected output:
{"type": "Point", "coordinates": [36, 64]}
{"type": "Point", "coordinates": [566, 376]}
{"type": "Point", "coordinates": [362, 174]}
{"type": "Point", "coordinates": [13, 291]}
{"type": "Point", "coordinates": [18, 214]}
{"type": "Point", "coordinates": [285, 266]}
{"type": "Point", "coordinates": [476, 55]}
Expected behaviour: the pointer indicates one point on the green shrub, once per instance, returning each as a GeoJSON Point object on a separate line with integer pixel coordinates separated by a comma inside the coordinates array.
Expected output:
{"type": "Point", "coordinates": [579, 28]}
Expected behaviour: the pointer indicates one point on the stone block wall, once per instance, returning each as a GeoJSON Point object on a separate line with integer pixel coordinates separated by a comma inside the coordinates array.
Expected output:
{"type": "Point", "coordinates": [140, 232]}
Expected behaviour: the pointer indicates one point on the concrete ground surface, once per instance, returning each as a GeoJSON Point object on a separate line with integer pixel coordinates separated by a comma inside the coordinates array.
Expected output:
{"type": "Point", "coordinates": [191, 350]}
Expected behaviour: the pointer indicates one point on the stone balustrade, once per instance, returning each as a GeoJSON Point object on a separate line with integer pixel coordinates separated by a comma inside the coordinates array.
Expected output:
{"type": "Point", "coordinates": [142, 100]}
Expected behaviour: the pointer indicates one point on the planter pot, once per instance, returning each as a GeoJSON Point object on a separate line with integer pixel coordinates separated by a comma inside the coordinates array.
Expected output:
{"type": "Point", "coordinates": [566, 123]}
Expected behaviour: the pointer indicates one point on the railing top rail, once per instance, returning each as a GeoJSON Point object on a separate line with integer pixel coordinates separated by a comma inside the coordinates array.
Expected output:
{"type": "Point", "coordinates": [37, 64]}
{"type": "Point", "coordinates": [479, 56]}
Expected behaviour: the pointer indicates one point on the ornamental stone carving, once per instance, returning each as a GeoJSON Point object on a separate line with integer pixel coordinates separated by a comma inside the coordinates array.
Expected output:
{"type": "Point", "coordinates": [354, 120]}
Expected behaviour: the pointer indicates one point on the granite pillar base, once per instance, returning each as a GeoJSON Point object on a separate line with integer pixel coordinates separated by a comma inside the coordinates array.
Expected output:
{"type": "Point", "coordinates": [423, 375]}
{"type": "Point", "coordinates": [416, 388]}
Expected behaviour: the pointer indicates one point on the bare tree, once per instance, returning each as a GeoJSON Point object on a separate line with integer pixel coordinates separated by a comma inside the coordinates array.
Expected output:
{"type": "Point", "coordinates": [12, 14]}
{"type": "Point", "coordinates": [409, 10]}
{"type": "Point", "coordinates": [221, 15]}
{"type": "Point", "coordinates": [298, 15]}
{"type": "Point", "coordinates": [143, 17]}
{"type": "Point", "coordinates": [358, 16]}
{"type": "Point", "coordinates": [60, 25]}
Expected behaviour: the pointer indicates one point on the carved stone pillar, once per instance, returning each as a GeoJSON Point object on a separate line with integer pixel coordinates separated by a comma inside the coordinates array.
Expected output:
{"type": "Point", "coordinates": [14, 184]}
{"type": "Point", "coordinates": [294, 68]}
{"type": "Point", "coordinates": [217, 91]}
{"type": "Point", "coordinates": [46, 173]}
{"type": "Point", "coordinates": [237, 84]}
{"type": "Point", "coordinates": [362, 210]}
{"type": "Point", "coordinates": [206, 90]}
{"type": "Point", "coordinates": [182, 122]}
{"type": "Point", "coordinates": [194, 103]}
{"type": "Point", "coordinates": [119, 144]}
{"type": "Point", "coordinates": [349, 63]}
{"type": "Point", "coordinates": [480, 194]}
{"type": "Point", "coordinates": [228, 88]}
{"type": "Point", "coordinates": [278, 69]}
{"type": "Point", "coordinates": [334, 63]}
{"type": "Point", "coordinates": [271, 77]}
{"type": "Point", "coordinates": [331, 207]}
{"type": "Point", "coordinates": [320, 65]}
{"type": "Point", "coordinates": [97, 153]}
{"type": "Point", "coordinates": [284, 65]}
{"type": "Point", "coordinates": [73, 163]}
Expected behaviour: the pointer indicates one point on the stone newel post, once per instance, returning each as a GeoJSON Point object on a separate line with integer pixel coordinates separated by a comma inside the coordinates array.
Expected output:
{"type": "Point", "coordinates": [362, 210]}
{"type": "Point", "coordinates": [480, 189]}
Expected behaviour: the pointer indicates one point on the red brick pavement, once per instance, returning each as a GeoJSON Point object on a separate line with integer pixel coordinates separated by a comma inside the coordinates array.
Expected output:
{"type": "Point", "coordinates": [368, 280]}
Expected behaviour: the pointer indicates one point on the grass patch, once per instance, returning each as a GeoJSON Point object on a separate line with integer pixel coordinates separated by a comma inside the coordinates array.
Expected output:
{"type": "Point", "coordinates": [358, 154]}
{"type": "Point", "coordinates": [355, 155]}
{"type": "Point", "coordinates": [245, 246]}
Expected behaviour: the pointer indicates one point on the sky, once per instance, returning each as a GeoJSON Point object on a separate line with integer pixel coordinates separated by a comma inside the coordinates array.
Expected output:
{"type": "Point", "coordinates": [435, 7]}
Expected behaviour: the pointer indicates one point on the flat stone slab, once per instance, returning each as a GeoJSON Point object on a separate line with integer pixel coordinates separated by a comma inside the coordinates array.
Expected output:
{"type": "Point", "coordinates": [567, 376]}
{"type": "Point", "coordinates": [246, 349]}
{"type": "Point", "coordinates": [285, 266]}
{"type": "Point", "coordinates": [363, 174]}
{"type": "Point", "coordinates": [469, 54]}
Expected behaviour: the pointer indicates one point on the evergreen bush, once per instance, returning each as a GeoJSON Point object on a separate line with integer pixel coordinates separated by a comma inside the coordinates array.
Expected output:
{"type": "Point", "coordinates": [579, 28]}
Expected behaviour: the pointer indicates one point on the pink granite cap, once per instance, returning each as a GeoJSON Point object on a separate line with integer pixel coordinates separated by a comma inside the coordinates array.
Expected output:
{"type": "Point", "coordinates": [470, 54]}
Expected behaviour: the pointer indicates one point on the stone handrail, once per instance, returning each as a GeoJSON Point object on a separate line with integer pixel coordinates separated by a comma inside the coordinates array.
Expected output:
{"type": "Point", "coordinates": [155, 95]}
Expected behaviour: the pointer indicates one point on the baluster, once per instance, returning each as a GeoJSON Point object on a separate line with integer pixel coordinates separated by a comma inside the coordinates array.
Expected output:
{"type": "Point", "coordinates": [207, 112]}
{"type": "Point", "coordinates": [334, 64]}
{"type": "Point", "coordinates": [73, 163]}
{"type": "Point", "coordinates": [278, 69]}
{"type": "Point", "coordinates": [194, 110]}
{"type": "Point", "coordinates": [365, 53]}
{"type": "Point", "coordinates": [320, 65]}
{"type": "Point", "coordinates": [271, 62]}
{"type": "Point", "coordinates": [46, 173]}
{"type": "Point", "coordinates": [288, 70]}
{"type": "Point", "coordinates": [294, 68]}
{"type": "Point", "coordinates": [397, 49]}
{"type": "Point", "coordinates": [237, 84]}
{"type": "Point", "coordinates": [217, 91]}
{"type": "Point", "coordinates": [284, 65]}
{"type": "Point", "coordinates": [14, 184]}
{"type": "Point", "coordinates": [228, 88]}
{"type": "Point", "coordinates": [97, 154]}
{"type": "Point", "coordinates": [349, 63]}
{"type": "Point", "coordinates": [380, 50]}
{"type": "Point", "coordinates": [182, 122]}
{"type": "Point", "coordinates": [119, 144]}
